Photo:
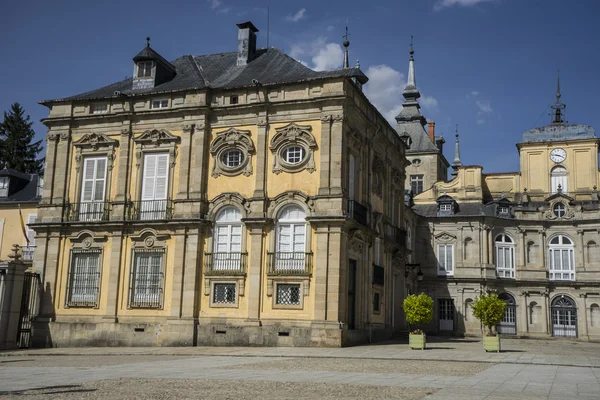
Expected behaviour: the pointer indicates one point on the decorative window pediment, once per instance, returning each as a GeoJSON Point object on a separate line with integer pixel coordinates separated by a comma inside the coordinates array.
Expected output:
{"type": "Point", "coordinates": [156, 137]}
{"type": "Point", "coordinates": [232, 151]}
{"type": "Point", "coordinates": [149, 239]}
{"type": "Point", "coordinates": [95, 144]}
{"type": "Point", "coordinates": [559, 208]}
{"type": "Point", "coordinates": [293, 147]}
{"type": "Point", "coordinates": [445, 237]}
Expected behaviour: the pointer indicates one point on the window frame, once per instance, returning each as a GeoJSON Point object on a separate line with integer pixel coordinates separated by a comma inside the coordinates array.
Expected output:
{"type": "Point", "coordinates": [145, 69]}
{"type": "Point", "coordinates": [228, 140]}
{"type": "Point", "coordinates": [504, 247]}
{"type": "Point", "coordinates": [293, 135]}
{"type": "Point", "coordinates": [559, 178]}
{"type": "Point", "coordinates": [160, 102]}
{"type": "Point", "coordinates": [94, 108]}
{"type": "Point", "coordinates": [134, 303]}
{"type": "Point", "coordinates": [417, 179]}
{"type": "Point", "coordinates": [275, 296]}
{"type": "Point", "coordinates": [445, 271]}
{"type": "Point", "coordinates": [561, 248]}
{"type": "Point", "coordinates": [4, 186]}
{"type": "Point", "coordinates": [95, 303]}
{"type": "Point", "coordinates": [234, 283]}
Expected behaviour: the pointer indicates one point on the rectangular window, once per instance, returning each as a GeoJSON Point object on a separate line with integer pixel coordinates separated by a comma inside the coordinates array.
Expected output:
{"type": "Point", "coordinates": [29, 246]}
{"type": "Point", "coordinates": [562, 264]}
{"type": "Point", "coordinates": [93, 187]}
{"type": "Point", "coordinates": [376, 302]}
{"type": "Point", "coordinates": [144, 69]}
{"type": "Point", "coordinates": [99, 108]}
{"type": "Point", "coordinates": [288, 294]}
{"type": "Point", "coordinates": [224, 293]}
{"type": "Point", "coordinates": [416, 184]}
{"type": "Point", "coordinates": [503, 210]}
{"type": "Point", "coordinates": [161, 103]}
{"type": "Point", "coordinates": [146, 282]}
{"type": "Point", "coordinates": [445, 207]}
{"type": "Point", "coordinates": [4, 186]}
{"type": "Point", "coordinates": [84, 278]}
{"type": "Point", "coordinates": [377, 256]}
{"type": "Point", "coordinates": [234, 99]}
{"type": "Point", "coordinates": [154, 186]}
{"type": "Point", "coordinates": [505, 261]}
{"type": "Point", "coordinates": [445, 259]}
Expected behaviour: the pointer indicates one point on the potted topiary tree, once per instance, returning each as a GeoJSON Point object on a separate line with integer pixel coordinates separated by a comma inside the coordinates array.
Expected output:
{"type": "Point", "coordinates": [489, 309]}
{"type": "Point", "coordinates": [418, 310]}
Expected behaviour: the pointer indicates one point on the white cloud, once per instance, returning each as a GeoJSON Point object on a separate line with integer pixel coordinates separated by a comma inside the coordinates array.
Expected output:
{"type": "Point", "coordinates": [223, 10]}
{"type": "Point", "coordinates": [214, 3]}
{"type": "Point", "coordinates": [441, 4]}
{"type": "Point", "coordinates": [484, 106]}
{"type": "Point", "coordinates": [474, 93]}
{"type": "Point", "coordinates": [480, 121]}
{"type": "Point", "coordinates": [323, 55]}
{"type": "Point", "coordinates": [218, 6]}
{"type": "Point", "coordinates": [330, 28]}
{"type": "Point", "coordinates": [429, 102]}
{"type": "Point", "coordinates": [296, 17]}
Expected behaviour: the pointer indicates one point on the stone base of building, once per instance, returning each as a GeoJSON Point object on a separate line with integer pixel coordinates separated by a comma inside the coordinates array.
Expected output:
{"type": "Point", "coordinates": [179, 332]}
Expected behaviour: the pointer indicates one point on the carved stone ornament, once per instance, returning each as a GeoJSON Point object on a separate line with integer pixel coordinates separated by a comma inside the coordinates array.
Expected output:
{"type": "Point", "coordinates": [226, 142]}
{"type": "Point", "coordinates": [293, 135]}
{"type": "Point", "coordinates": [149, 239]}
{"type": "Point", "coordinates": [95, 144]}
{"type": "Point", "coordinates": [378, 169]}
{"type": "Point", "coordinates": [445, 237]}
{"type": "Point", "coordinates": [290, 197]}
{"type": "Point", "coordinates": [156, 137]}
{"type": "Point", "coordinates": [228, 199]}
{"type": "Point", "coordinates": [551, 215]}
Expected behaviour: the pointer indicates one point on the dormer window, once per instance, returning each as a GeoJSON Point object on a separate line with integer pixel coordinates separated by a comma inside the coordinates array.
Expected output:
{"type": "Point", "coordinates": [503, 210]}
{"type": "Point", "coordinates": [234, 99]}
{"type": "Point", "coordinates": [144, 69]}
{"type": "Point", "coordinates": [445, 207]}
{"type": "Point", "coordinates": [160, 103]}
{"type": "Point", "coordinates": [99, 108]}
{"type": "Point", "coordinates": [4, 187]}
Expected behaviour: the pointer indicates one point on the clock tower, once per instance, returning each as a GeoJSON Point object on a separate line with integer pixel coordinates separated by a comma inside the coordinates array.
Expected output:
{"type": "Point", "coordinates": [559, 157]}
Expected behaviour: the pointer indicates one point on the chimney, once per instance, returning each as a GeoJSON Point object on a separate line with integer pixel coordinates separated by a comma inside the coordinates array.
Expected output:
{"type": "Point", "coordinates": [431, 131]}
{"type": "Point", "coordinates": [246, 42]}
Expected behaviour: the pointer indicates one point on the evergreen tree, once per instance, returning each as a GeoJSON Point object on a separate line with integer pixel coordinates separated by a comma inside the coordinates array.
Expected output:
{"type": "Point", "coordinates": [16, 148]}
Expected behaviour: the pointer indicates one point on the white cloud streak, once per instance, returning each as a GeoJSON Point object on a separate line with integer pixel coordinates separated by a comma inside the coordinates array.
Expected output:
{"type": "Point", "coordinates": [441, 4]}
{"type": "Point", "coordinates": [484, 106]}
{"type": "Point", "coordinates": [324, 55]}
{"type": "Point", "coordinates": [296, 17]}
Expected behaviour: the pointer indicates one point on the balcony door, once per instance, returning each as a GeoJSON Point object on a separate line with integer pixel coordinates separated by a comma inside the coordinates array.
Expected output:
{"type": "Point", "coordinates": [227, 247]}
{"type": "Point", "coordinates": [93, 189]}
{"type": "Point", "coordinates": [154, 186]}
{"type": "Point", "coordinates": [291, 239]}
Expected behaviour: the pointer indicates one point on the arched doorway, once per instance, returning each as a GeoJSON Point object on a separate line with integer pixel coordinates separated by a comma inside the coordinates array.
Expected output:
{"type": "Point", "coordinates": [564, 317]}
{"type": "Point", "coordinates": [508, 325]}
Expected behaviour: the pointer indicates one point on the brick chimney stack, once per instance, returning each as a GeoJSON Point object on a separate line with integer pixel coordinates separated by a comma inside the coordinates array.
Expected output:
{"type": "Point", "coordinates": [431, 131]}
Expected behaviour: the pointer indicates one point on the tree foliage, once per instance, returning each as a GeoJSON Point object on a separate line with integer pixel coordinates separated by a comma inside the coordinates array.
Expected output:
{"type": "Point", "coordinates": [489, 309]}
{"type": "Point", "coordinates": [17, 149]}
{"type": "Point", "coordinates": [418, 309]}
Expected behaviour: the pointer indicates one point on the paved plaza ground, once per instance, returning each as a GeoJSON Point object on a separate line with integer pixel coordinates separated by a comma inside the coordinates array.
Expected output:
{"type": "Point", "coordinates": [449, 369]}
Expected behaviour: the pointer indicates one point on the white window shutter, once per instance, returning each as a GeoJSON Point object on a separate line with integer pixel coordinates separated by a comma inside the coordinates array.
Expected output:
{"type": "Point", "coordinates": [30, 232]}
{"type": "Point", "coordinates": [162, 176]}
{"type": "Point", "coordinates": [87, 191]}
{"type": "Point", "coordinates": [100, 181]}
{"type": "Point", "coordinates": [148, 189]}
{"type": "Point", "coordinates": [94, 179]}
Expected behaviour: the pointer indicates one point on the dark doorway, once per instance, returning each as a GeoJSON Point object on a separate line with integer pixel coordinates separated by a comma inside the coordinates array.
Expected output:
{"type": "Point", "coordinates": [446, 315]}
{"type": "Point", "coordinates": [351, 294]}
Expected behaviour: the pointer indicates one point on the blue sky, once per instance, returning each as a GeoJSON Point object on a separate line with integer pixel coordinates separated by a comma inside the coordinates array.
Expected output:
{"type": "Point", "coordinates": [487, 65]}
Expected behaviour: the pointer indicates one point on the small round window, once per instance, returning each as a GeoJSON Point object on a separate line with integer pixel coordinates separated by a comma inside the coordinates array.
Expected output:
{"type": "Point", "coordinates": [416, 162]}
{"type": "Point", "coordinates": [294, 154]}
{"type": "Point", "coordinates": [560, 210]}
{"type": "Point", "coordinates": [232, 158]}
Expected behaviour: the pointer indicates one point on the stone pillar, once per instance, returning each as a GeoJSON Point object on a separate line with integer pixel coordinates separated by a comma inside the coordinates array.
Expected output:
{"type": "Point", "coordinates": [191, 273]}
{"type": "Point", "coordinates": [523, 252]}
{"type": "Point", "coordinates": [61, 168]}
{"type": "Point", "coordinates": [524, 313]}
{"type": "Point", "coordinates": [547, 313]}
{"type": "Point", "coordinates": [337, 167]}
{"type": "Point", "coordinates": [257, 230]}
{"type": "Point", "coordinates": [484, 239]}
{"type": "Point", "coordinates": [542, 254]}
{"type": "Point", "coordinates": [11, 290]}
{"type": "Point", "coordinates": [320, 272]}
{"type": "Point", "coordinates": [262, 151]}
{"type": "Point", "coordinates": [113, 279]}
{"type": "Point", "coordinates": [49, 275]}
{"type": "Point", "coordinates": [119, 206]}
{"type": "Point", "coordinates": [184, 162]}
{"type": "Point", "coordinates": [198, 173]}
{"type": "Point", "coordinates": [335, 275]}
{"type": "Point", "coordinates": [585, 315]}
{"type": "Point", "coordinates": [51, 144]}
{"type": "Point", "coordinates": [325, 154]}
{"type": "Point", "coordinates": [179, 264]}
{"type": "Point", "coordinates": [490, 240]}
{"type": "Point", "coordinates": [581, 252]}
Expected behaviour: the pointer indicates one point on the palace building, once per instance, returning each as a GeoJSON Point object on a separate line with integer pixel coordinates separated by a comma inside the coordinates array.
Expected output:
{"type": "Point", "coordinates": [531, 236]}
{"type": "Point", "coordinates": [238, 198]}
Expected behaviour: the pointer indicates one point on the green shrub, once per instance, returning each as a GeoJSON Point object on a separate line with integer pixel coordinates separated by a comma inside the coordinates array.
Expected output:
{"type": "Point", "coordinates": [418, 309]}
{"type": "Point", "coordinates": [489, 309]}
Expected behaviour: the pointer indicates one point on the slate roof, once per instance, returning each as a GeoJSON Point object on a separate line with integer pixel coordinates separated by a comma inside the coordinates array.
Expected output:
{"type": "Point", "coordinates": [220, 71]}
{"type": "Point", "coordinates": [558, 133]}
{"type": "Point", "coordinates": [27, 184]}
{"type": "Point", "coordinates": [464, 210]}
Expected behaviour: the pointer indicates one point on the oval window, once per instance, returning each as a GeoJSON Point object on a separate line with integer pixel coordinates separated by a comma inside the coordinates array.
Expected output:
{"type": "Point", "coordinates": [232, 158]}
{"type": "Point", "coordinates": [294, 154]}
{"type": "Point", "coordinates": [560, 210]}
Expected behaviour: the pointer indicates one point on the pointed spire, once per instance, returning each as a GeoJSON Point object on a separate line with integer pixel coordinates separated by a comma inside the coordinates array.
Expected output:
{"type": "Point", "coordinates": [346, 45]}
{"type": "Point", "coordinates": [410, 107]}
{"type": "Point", "coordinates": [411, 82]}
{"type": "Point", "coordinates": [558, 107]}
{"type": "Point", "coordinates": [456, 164]}
{"type": "Point", "coordinates": [147, 41]}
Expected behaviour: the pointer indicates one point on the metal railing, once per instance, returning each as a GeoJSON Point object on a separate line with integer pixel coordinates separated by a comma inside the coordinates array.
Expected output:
{"type": "Point", "coordinates": [149, 210]}
{"type": "Point", "coordinates": [88, 211]}
{"type": "Point", "coordinates": [289, 263]}
{"type": "Point", "coordinates": [146, 290]}
{"type": "Point", "coordinates": [83, 289]}
{"type": "Point", "coordinates": [225, 263]}
{"type": "Point", "coordinates": [358, 212]}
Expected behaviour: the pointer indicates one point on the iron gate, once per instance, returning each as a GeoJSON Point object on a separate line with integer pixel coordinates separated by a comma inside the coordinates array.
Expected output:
{"type": "Point", "coordinates": [29, 301]}
{"type": "Point", "coordinates": [508, 325]}
{"type": "Point", "coordinates": [564, 317]}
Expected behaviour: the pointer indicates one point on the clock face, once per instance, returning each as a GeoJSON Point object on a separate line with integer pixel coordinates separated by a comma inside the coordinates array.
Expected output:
{"type": "Point", "coordinates": [558, 155]}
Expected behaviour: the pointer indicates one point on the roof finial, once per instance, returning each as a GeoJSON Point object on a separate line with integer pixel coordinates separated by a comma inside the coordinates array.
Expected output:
{"type": "Point", "coordinates": [558, 107]}
{"type": "Point", "coordinates": [456, 164]}
{"type": "Point", "coordinates": [412, 51]}
{"type": "Point", "coordinates": [346, 44]}
{"type": "Point", "coordinates": [411, 82]}
{"type": "Point", "coordinates": [357, 63]}
{"type": "Point", "coordinates": [147, 41]}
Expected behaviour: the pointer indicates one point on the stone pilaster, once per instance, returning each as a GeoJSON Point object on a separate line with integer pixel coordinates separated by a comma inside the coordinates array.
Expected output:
{"type": "Point", "coordinates": [584, 320]}
{"type": "Point", "coordinates": [542, 247]}
{"type": "Point", "coordinates": [524, 311]}
{"type": "Point", "coordinates": [257, 229]}
{"type": "Point", "coordinates": [51, 144]}
{"type": "Point", "coordinates": [191, 275]}
{"type": "Point", "coordinates": [49, 298]}
{"type": "Point", "coordinates": [336, 166]}
{"type": "Point", "coordinates": [262, 143]}
{"type": "Point", "coordinates": [123, 174]}
{"type": "Point", "coordinates": [61, 168]}
{"type": "Point", "coordinates": [179, 266]}
{"type": "Point", "coordinates": [581, 250]}
{"type": "Point", "coordinates": [198, 160]}
{"type": "Point", "coordinates": [112, 280]}
{"type": "Point", "coordinates": [185, 161]}
{"type": "Point", "coordinates": [325, 154]}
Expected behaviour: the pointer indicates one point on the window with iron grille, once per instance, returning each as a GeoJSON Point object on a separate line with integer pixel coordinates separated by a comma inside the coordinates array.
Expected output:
{"type": "Point", "coordinates": [288, 294]}
{"type": "Point", "coordinates": [84, 278]}
{"type": "Point", "coordinates": [146, 282]}
{"type": "Point", "coordinates": [224, 293]}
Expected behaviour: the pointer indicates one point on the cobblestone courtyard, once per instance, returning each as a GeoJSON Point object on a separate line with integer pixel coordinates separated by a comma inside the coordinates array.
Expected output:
{"type": "Point", "coordinates": [450, 369]}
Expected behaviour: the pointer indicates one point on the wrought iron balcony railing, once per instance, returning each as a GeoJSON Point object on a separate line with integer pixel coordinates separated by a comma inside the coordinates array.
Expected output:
{"type": "Point", "coordinates": [289, 263]}
{"type": "Point", "coordinates": [358, 212]}
{"type": "Point", "coordinates": [150, 210]}
{"type": "Point", "coordinates": [88, 211]}
{"type": "Point", "coordinates": [225, 263]}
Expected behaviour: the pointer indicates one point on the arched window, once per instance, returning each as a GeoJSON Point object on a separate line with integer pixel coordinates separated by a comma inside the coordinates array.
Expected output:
{"type": "Point", "coordinates": [227, 242]}
{"type": "Point", "coordinates": [595, 315]}
{"type": "Point", "coordinates": [564, 317]}
{"type": "Point", "coordinates": [469, 249]}
{"type": "Point", "coordinates": [562, 259]}
{"type": "Point", "coordinates": [592, 252]}
{"type": "Point", "coordinates": [508, 325]}
{"type": "Point", "coordinates": [505, 256]}
{"type": "Point", "coordinates": [290, 239]}
{"type": "Point", "coordinates": [558, 176]}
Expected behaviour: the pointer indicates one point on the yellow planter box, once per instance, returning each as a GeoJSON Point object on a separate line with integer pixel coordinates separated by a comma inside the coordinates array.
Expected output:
{"type": "Point", "coordinates": [491, 343]}
{"type": "Point", "coordinates": [416, 341]}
